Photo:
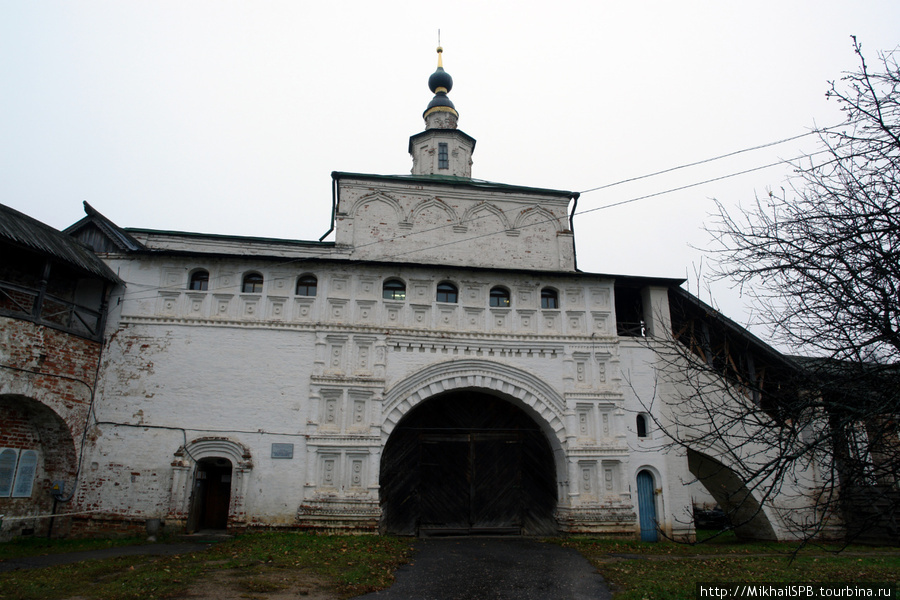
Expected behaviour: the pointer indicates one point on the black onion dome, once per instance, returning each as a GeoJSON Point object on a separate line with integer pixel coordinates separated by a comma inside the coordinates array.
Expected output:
{"type": "Point", "coordinates": [440, 79]}
{"type": "Point", "coordinates": [440, 99]}
{"type": "Point", "coordinates": [440, 83]}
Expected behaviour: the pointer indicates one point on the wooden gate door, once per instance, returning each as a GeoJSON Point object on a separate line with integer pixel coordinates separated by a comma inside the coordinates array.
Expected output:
{"type": "Point", "coordinates": [444, 495]}
{"type": "Point", "coordinates": [467, 463]}
{"type": "Point", "coordinates": [469, 483]}
{"type": "Point", "coordinates": [496, 486]}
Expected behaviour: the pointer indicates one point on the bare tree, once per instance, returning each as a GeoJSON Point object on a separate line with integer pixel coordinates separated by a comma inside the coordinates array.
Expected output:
{"type": "Point", "coordinates": [821, 260]}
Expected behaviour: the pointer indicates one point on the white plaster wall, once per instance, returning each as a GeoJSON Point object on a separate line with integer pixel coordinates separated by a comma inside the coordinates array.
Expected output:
{"type": "Point", "coordinates": [276, 367]}
{"type": "Point", "coordinates": [255, 369]}
{"type": "Point", "coordinates": [646, 394]}
{"type": "Point", "coordinates": [164, 385]}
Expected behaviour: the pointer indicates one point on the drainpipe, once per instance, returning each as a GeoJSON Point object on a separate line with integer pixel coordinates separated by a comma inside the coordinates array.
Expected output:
{"type": "Point", "coordinates": [574, 197]}
{"type": "Point", "coordinates": [334, 200]}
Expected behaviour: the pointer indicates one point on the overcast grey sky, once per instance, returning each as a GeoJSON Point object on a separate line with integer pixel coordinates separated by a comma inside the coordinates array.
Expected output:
{"type": "Point", "coordinates": [228, 117]}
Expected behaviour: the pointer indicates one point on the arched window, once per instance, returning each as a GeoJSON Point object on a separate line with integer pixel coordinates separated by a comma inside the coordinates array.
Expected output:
{"type": "Point", "coordinates": [307, 285]}
{"type": "Point", "coordinates": [447, 292]}
{"type": "Point", "coordinates": [199, 280]}
{"type": "Point", "coordinates": [253, 283]}
{"type": "Point", "coordinates": [8, 458]}
{"type": "Point", "coordinates": [25, 474]}
{"type": "Point", "coordinates": [394, 289]}
{"type": "Point", "coordinates": [642, 426]}
{"type": "Point", "coordinates": [549, 298]}
{"type": "Point", "coordinates": [500, 297]}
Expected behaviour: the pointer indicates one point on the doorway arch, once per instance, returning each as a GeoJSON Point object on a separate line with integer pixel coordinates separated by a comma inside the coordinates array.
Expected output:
{"type": "Point", "coordinates": [646, 489]}
{"type": "Point", "coordinates": [468, 462]}
{"type": "Point", "coordinates": [211, 496]}
{"type": "Point", "coordinates": [197, 461]}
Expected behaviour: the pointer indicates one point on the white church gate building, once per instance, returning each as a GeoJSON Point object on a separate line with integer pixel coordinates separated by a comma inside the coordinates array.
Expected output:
{"type": "Point", "coordinates": [440, 367]}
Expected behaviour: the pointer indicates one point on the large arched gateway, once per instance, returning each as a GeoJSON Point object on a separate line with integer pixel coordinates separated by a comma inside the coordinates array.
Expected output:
{"type": "Point", "coordinates": [468, 462]}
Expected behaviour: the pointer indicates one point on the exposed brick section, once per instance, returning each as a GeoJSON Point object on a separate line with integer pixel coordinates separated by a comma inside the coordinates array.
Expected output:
{"type": "Point", "coordinates": [46, 380]}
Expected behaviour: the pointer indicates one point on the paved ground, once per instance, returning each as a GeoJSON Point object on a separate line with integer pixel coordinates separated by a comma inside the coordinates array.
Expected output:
{"type": "Point", "coordinates": [494, 569]}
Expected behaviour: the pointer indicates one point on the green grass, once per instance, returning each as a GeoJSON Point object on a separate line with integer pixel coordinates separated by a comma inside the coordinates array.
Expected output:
{"type": "Point", "coordinates": [670, 571]}
{"type": "Point", "coordinates": [255, 563]}
{"type": "Point", "coordinates": [36, 546]}
{"type": "Point", "coordinates": [263, 562]}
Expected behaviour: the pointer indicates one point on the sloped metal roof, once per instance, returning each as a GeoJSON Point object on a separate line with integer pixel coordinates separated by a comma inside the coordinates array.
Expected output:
{"type": "Point", "coordinates": [25, 231]}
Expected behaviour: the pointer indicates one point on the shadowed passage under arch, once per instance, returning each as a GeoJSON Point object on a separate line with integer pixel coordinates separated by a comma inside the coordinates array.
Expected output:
{"type": "Point", "coordinates": [467, 462]}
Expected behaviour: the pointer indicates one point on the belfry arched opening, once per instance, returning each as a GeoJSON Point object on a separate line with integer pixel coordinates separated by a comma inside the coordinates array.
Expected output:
{"type": "Point", "coordinates": [468, 463]}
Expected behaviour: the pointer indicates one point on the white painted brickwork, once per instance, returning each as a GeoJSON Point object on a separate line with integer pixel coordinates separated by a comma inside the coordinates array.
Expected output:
{"type": "Point", "coordinates": [334, 373]}
{"type": "Point", "coordinates": [454, 225]}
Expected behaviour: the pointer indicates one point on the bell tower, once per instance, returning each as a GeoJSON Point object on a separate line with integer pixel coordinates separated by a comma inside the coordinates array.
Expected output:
{"type": "Point", "coordinates": [441, 149]}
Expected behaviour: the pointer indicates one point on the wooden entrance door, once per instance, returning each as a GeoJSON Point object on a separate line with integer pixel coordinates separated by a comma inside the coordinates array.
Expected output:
{"type": "Point", "coordinates": [212, 494]}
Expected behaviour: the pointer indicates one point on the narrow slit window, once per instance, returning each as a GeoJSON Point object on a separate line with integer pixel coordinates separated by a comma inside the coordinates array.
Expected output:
{"type": "Point", "coordinates": [443, 156]}
{"type": "Point", "coordinates": [642, 426]}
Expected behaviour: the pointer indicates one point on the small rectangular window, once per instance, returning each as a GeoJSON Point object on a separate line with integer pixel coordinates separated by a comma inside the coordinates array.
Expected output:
{"type": "Point", "coordinates": [443, 157]}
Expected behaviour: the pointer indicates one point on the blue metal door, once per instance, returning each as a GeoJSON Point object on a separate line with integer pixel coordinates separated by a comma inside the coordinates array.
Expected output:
{"type": "Point", "coordinates": [646, 506]}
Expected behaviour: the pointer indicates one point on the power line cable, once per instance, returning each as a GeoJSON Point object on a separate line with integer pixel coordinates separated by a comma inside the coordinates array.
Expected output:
{"type": "Point", "coordinates": [699, 162]}
{"type": "Point", "coordinates": [695, 184]}
{"type": "Point", "coordinates": [539, 222]}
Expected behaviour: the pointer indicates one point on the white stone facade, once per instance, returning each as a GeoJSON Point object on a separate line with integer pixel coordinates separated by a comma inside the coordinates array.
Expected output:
{"type": "Point", "coordinates": [333, 374]}
{"type": "Point", "coordinates": [466, 224]}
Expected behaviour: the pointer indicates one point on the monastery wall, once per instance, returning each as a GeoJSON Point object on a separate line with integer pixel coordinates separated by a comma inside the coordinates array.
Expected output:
{"type": "Point", "coordinates": [326, 378]}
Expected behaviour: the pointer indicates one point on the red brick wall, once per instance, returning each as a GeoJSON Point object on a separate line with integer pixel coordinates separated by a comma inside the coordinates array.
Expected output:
{"type": "Point", "coordinates": [46, 383]}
